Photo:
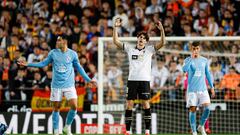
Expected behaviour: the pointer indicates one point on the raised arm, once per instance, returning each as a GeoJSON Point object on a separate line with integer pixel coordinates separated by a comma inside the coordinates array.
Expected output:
{"type": "Point", "coordinates": [41, 64]}
{"type": "Point", "coordinates": [116, 41]}
{"type": "Point", "coordinates": [163, 40]}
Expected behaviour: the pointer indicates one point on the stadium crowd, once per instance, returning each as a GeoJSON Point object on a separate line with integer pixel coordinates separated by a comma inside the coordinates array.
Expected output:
{"type": "Point", "coordinates": [29, 29]}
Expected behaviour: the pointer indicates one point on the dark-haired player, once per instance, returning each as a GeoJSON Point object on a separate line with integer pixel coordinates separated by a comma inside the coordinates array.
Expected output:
{"type": "Point", "coordinates": [140, 59]}
{"type": "Point", "coordinates": [63, 61]}
{"type": "Point", "coordinates": [197, 68]}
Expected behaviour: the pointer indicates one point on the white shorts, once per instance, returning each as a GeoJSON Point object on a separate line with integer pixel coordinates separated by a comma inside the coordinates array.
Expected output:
{"type": "Point", "coordinates": [69, 93]}
{"type": "Point", "coordinates": [197, 98]}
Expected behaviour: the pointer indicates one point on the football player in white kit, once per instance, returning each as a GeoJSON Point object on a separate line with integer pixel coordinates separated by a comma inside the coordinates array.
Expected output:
{"type": "Point", "coordinates": [140, 59]}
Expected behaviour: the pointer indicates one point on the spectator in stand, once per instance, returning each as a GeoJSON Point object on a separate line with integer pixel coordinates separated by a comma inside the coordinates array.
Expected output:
{"type": "Point", "coordinates": [168, 25]}
{"type": "Point", "coordinates": [201, 22]}
{"type": "Point", "coordinates": [36, 56]}
{"type": "Point", "coordinates": [186, 3]}
{"type": "Point", "coordinates": [5, 71]}
{"type": "Point", "coordinates": [115, 84]}
{"type": "Point", "coordinates": [84, 62]}
{"type": "Point", "coordinates": [173, 6]}
{"type": "Point", "coordinates": [47, 80]}
{"type": "Point", "coordinates": [7, 75]}
{"type": "Point", "coordinates": [153, 8]}
{"type": "Point", "coordinates": [92, 91]}
{"type": "Point", "coordinates": [38, 81]}
{"type": "Point", "coordinates": [20, 80]}
{"type": "Point", "coordinates": [12, 47]}
{"type": "Point", "coordinates": [107, 11]}
{"type": "Point", "coordinates": [195, 9]}
{"type": "Point", "coordinates": [160, 75]}
{"type": "Point", "coordinates": [217, 76]}
{"type": "Point", "coordinates": [121, 14]}
{"type": "Point", "coordinates": [228, 23]}
{"type": "Point", "coordinates": [230, 84]}
{"type": "Point", "coordinates": [2, 52]}
{"type": "Point", "coordinates": [3, 38]}
{"type": "Point", "coordinates": [140, 21]}
{"type": "Point", "coordinates": [92, 48]}
{"type": "Point", "coordinates": [174, 82]}
{"type": "Point", "coordinates": [233, 63]}
{"type": "Point", "coordinates": [212, 27]}
{"type": "Point", "coordinates": [187, 16]}
{"type": "Point", "coordinates": [235, 48]}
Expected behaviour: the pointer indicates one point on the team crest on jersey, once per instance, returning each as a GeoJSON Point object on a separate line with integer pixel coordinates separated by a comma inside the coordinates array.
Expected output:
{"type": "Point", "coordinates": [140, 57]}
{"type": "Point", "coordinates": [68, 59]}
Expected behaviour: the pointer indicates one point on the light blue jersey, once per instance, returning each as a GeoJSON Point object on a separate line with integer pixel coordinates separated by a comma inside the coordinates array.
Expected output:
{"type": "Point", "coordinates": [63, 71]}
{"type": "Point", "coordinates": [198, 71]}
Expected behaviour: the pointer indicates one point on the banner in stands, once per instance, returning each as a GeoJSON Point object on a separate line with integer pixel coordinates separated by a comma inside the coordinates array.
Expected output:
{"type": "Point", "coordinates": [28, 122]}
{"type": "Point", "coordinates": [41, 123]}
{"type": "Point", "coordinates": [41, 103]}
{"type": "Point", "coordinates": [222, 114]}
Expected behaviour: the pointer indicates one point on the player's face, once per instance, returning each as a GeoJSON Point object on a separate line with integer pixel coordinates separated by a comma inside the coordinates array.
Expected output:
{"type": "Point", "coordinates": [160, 64]}
{"type": "Point", "coordinates": [195, 51]}
{"type": "Point", "coordinates": [142, 41]}
{"type": "Point", "coordinates": [60, 43]}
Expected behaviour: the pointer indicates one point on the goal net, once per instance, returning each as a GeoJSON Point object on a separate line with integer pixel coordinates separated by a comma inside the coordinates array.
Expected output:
{"type": "Point", "coordinates": [168, 86]}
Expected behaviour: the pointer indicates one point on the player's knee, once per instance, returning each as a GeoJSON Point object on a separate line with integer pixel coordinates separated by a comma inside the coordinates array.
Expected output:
{"type": "Point", "coordinates": [56, 109]}
{"type": "Point", "coordinates": [130, 104]}
{"type": "Point", "coordinates": [56, 106]}
{"type": "Point", "coordinates": [74, 107]}
{"type": "Point", "coordinates": [146, 104]}
{"type": "Point", "coordinates": [73, 104]}
{"type": "Point", "coordinates": [193, 109]}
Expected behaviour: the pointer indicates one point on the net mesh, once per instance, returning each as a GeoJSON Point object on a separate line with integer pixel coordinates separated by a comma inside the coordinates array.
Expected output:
{"type": "Point", "coordinates": [168, 87]}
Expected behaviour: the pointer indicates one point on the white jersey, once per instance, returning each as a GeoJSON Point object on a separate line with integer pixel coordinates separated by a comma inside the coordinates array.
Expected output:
{"type": "Point", "coordinates": [139, 62]}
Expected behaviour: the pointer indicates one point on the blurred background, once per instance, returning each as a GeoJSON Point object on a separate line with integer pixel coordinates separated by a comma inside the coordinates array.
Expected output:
{"type": "Point", "coordinates": [29, 29]}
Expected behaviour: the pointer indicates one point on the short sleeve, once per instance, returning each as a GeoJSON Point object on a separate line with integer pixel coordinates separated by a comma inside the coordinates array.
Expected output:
{"type": "Point", "coordinates": [151, 49]}
{"type": "Point", "coordinates": [126, 47]}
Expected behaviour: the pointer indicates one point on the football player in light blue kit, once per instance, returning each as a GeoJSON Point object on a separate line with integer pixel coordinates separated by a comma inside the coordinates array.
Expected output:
{"type": "Point", "coordinates": [63, 60]}
{"type": "Point", "coordinates": [197, 94]}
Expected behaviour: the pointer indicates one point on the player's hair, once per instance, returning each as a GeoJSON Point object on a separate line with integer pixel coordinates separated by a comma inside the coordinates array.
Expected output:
{"type": "Point", "coordinates": [63, 37]}
{"type": "Point", "coordinates": [232, 68]}
{"type": "Point", "coordinates": [196, 43]}
{"type": "Point", "coordinates": [145, 34]}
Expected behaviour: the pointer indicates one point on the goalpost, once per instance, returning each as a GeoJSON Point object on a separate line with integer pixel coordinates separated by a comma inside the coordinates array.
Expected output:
{"type": "Point", "coordinates": [169, 114]}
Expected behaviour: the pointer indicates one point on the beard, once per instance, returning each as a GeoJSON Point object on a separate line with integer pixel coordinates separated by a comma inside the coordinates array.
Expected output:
{"type": "Point", "coordinates": [195, 55]}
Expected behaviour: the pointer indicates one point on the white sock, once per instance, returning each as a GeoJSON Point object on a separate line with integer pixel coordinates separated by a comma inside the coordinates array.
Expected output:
{"type": "Point", "coordinates": [55, 131]}
{"type": "Point", "coordinates": [128, 132]}
{"type": "Point", "coordinates": [147, 131]}
{"type": "Point", "coordinates": [68, 126]}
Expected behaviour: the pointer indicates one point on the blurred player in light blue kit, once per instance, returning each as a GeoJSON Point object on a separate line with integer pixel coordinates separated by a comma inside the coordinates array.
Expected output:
{"type": "Point", "coordinates": [197, 68]}
{"type": "Point", "coordinates": [3, 128]}
{"type": "Point", "coordinates": [63, 60]}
